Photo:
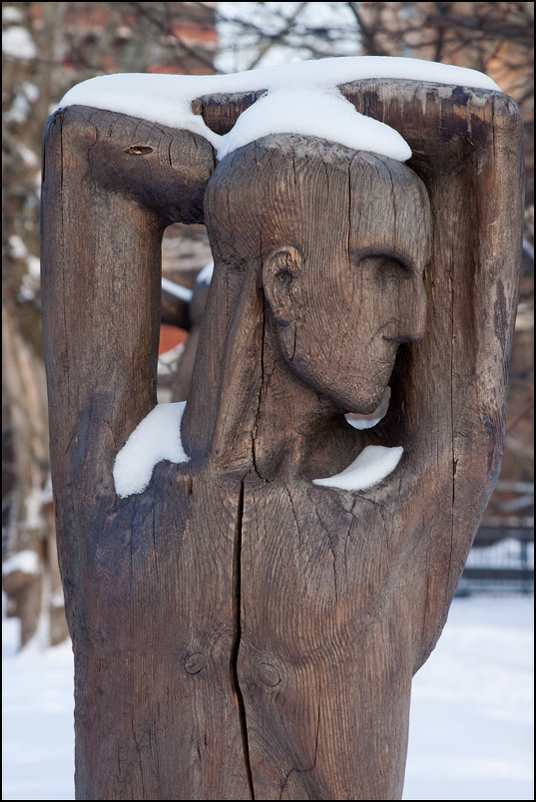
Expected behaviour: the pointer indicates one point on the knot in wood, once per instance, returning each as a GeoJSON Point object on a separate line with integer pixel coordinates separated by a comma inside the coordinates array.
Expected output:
{"type": "Point", "coordinates": [138, 150]}
{"type": "Point", "coordinates": [195, 663]}
{"type": "Point", "coordinates": [268, 674]}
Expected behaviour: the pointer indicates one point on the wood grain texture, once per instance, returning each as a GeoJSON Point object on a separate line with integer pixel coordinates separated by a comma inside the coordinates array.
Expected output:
{"type": "Point", "coordinates": [238, 631]}
{"type": "Point", "coordinates": [148, 671]}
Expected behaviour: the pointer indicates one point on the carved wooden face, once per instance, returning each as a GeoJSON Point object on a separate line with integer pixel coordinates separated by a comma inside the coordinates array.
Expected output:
{"type": "Point", "coordinates": [352, 291]}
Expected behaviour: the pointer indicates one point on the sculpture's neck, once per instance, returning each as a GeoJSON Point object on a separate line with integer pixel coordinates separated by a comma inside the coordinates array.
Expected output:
{"type": "Point", "coordinates": [282, 427]}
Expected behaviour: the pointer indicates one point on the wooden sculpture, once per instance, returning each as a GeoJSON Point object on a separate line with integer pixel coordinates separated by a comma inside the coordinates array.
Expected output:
{"type": "Point", "coordinates": [247, 627]}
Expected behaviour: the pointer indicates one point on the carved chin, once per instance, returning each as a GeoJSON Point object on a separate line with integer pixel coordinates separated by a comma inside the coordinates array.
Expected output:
{"type": "Point", "coordinates": [374, 463]}
{"type": "Point", "coordinates": [367, 421]}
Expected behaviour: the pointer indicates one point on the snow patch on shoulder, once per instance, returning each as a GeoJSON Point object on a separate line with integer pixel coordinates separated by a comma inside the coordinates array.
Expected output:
{"type": "Point", "coordinates": [156, 438]}
{"type": "Point", "coordinates": [373, 465]}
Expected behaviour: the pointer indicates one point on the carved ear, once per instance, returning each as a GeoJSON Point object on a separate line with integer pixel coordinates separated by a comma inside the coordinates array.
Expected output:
{"type": "Point", "coordinates": [281, 273]}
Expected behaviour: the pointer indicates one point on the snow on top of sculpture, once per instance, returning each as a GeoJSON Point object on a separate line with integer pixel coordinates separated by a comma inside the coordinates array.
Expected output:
{"type": "Point", "coordinates": [300, 98]}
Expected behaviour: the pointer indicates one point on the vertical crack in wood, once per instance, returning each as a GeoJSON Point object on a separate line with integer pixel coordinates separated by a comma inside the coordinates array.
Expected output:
{"type": "Point", "coordinates": [237, 635]}
{"type": "Point", "coordinates": [261, 388]}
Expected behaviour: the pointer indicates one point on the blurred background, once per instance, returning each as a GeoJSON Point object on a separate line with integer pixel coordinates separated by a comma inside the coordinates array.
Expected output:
{"type": "Point", "coordinates": [49, 47]}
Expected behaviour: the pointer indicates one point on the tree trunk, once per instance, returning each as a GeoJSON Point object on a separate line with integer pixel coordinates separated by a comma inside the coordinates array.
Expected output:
{"type": "Point", "coordinates": [29, 575]}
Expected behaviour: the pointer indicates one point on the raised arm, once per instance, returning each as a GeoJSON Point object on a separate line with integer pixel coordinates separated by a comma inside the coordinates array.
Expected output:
{"type": "Point", "coordinates": [111, 184]}
{"type": "Point", "coordinates": [449, 391]}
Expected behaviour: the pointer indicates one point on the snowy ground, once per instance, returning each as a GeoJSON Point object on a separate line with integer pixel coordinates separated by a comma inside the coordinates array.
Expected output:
{"type": "Point", "coordinates": [471, 731]}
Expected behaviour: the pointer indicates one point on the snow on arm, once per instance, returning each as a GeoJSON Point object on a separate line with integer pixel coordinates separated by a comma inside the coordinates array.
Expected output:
{"type": "Point", "coordinates": [324, 114]}
{"type": "Point", "coordinates": [301, 98]}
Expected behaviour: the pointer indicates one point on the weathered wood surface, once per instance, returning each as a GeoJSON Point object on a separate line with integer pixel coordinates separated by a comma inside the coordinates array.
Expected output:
{"type": "Point", "coordinates": [238, 631]}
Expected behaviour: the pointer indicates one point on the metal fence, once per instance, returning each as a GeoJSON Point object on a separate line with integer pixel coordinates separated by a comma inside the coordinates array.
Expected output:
{"type": "Point", "coordinates": [501, 561]}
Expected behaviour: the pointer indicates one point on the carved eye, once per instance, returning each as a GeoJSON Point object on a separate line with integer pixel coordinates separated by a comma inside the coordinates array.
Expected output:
{"type": "Point", "coordinates": [391, 266]}
{"type": "Point", "coordinates": [385, 269]}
